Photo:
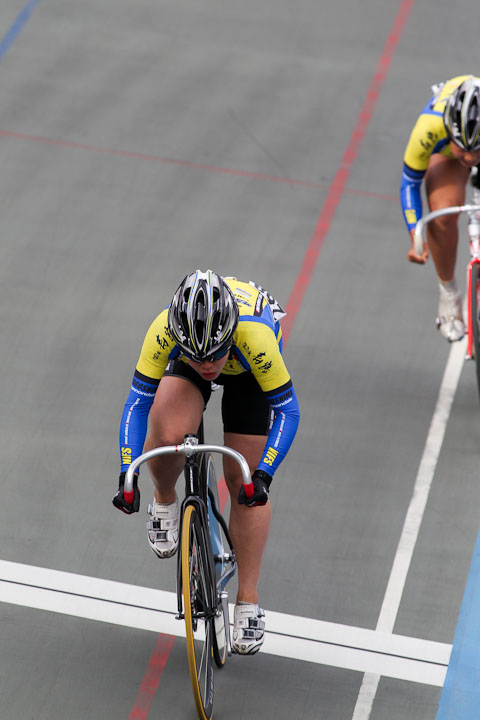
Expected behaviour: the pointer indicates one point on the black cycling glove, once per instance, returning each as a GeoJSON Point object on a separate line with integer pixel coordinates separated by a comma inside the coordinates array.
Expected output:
{"type": "Point", "coordinates": [119, 499]}
{"type": "Point", "coordinates": [257, 493]}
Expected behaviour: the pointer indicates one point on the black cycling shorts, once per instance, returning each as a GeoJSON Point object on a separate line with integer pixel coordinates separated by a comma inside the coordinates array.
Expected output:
{"type": "Point", "coordinates": [245, 407]}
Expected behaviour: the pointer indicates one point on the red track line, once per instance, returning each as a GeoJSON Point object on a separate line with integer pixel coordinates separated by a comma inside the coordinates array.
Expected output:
{"type": "Point", "coordinates": [184, 163]}
{"type": "Point", "coordinates": [337, 190]}
{"type": "Point", "coordinates": [148, 688]}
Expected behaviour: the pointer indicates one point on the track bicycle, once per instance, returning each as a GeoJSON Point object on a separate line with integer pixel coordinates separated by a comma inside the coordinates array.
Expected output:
{"type": "Point", "coordinates": [473, 270]}
{"type": "Point", "coordinates": [205, 562]}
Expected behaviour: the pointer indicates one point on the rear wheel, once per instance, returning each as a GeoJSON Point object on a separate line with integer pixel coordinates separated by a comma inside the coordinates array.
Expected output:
{"type": "Point", "coordinates": [199, 621]}
{"type": "Point", "coordinates": [475, 299]}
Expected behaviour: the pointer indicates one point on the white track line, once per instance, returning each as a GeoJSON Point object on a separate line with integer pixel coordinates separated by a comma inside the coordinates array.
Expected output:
{"type": "Point", "coordinates": [414, 517]}
{"type": "Point", "coordinates": [288, 635]}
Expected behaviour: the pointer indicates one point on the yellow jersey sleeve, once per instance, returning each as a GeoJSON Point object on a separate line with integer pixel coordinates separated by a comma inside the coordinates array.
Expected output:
{"type": "Point", "coordinates": [156, 348]}
{"type": "Point", "coordinates": [428, 132]}
{"type": "Point", "coordinates": [258, 350]}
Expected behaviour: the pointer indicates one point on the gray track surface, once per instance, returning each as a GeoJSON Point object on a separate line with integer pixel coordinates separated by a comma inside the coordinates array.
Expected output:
{"type": "Point", "coordinates": [169, 126]}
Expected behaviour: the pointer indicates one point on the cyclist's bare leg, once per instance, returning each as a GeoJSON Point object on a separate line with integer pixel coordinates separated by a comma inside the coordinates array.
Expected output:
{"type": "Point", "coordinates": [177, 410]}
{"type": "Point", "coordinates": [445, 182]}
{"type": "Point", "coordinates": [248, 527]}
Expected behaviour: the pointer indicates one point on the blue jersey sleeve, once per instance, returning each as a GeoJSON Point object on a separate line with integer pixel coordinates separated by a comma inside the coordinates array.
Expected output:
{"type": "Point", "coordinates": [133, 426]}
{"type": "Point", "coordinates": [410, 196]}
{"type": "Point", "coordinates": [284, 404]}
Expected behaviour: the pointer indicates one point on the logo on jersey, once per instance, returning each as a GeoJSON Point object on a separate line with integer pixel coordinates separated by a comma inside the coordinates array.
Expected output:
{"type": "Point", "coordinates": [265, 367]}
{"type": "Point", "coordinates": [142, 388]}
{"type": "Point", "coordinates": [240, 291]}
{"type": "Point", "coordinates": [259, 303]}
{"type": "Point", "coordinates": [242, 302]}
{"type": "Point", "coordinates": [277, 310]}
{"type": "Point", "coordinates": [163, 342]}
{"type": "Point", "coordinates": [282, 399]}
{"type": "Point", "coordinates": [126, 456]}
{"type": "Point", "coordinates": [270, 456]}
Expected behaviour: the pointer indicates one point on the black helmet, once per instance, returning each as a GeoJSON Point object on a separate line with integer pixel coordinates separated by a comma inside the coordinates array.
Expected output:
{"type": "Point", "coordinates": [462, 115]}
{"type": "Point", "coordinates": [203, 315]}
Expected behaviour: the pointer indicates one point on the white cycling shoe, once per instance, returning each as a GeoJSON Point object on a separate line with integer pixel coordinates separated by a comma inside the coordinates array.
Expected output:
{"type": "Point", "coordinates": [248, 629]}
{"type": "Point", "coordinates": [450, 315]}
{"type": "Point", "coordinates": [162, 528]}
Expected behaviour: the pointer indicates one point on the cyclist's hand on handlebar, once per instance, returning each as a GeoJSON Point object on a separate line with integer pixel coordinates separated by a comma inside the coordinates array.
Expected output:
{"type": "Point", "coordinates": [413, 256]}
{"type": "Point", "coordinates": [257, 492]}
{"type": "Point", "coordinates": [419, 259]}
{"type": "Point", "coordinates": [119, 498]}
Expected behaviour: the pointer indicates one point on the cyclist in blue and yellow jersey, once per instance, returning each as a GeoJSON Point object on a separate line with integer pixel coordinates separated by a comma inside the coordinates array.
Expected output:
{"type": "Point", "coordinates": [443, 148]}
{"type": "Point", "coordinates": [224, 331]}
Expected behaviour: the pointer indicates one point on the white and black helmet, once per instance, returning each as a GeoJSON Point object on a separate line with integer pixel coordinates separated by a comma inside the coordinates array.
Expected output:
{"type": "Point", "coordinates": [203, 316]}
{"type": "Point", "coordinates": [462, 114]}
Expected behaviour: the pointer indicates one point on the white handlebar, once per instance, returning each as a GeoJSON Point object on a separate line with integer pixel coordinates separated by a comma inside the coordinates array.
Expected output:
{"type": "Point", "coordinates": [420, 226]}
{"type": "Point", "coordinates": [188, 448]}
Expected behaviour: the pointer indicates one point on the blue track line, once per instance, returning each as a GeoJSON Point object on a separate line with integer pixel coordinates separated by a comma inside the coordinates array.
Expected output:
{"type": "Point", "coordinates": [460, 699]}
{"type": "Point", "coordinates": [18, 24]}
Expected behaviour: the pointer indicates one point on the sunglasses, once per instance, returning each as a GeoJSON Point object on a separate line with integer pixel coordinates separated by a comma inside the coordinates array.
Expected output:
{"type": "Point", "coordinates": [208, 358]}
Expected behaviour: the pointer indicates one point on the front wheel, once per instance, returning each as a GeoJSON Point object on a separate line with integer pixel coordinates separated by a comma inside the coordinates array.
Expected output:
{"type": "Point", "coordinates": [474, 300]}
{"type": "Point", "coordinates": [198, 612]}
{"type": "Point", "coordinates": [220, 641]}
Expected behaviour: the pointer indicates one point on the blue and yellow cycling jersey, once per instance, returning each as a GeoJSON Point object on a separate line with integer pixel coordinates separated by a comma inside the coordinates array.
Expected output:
{"type": "Point", "coordinates": [257, 348]}
{"type": "Point", "coordinates": [428, 136]}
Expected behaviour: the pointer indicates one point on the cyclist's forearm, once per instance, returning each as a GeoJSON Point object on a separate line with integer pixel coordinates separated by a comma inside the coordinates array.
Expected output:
{"type": "Point", "coordinates": [284, 428]}
{"type": "Point", "coordinates": [133, 426]}
{"type": "Point", "coordinates": [410, 196]}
